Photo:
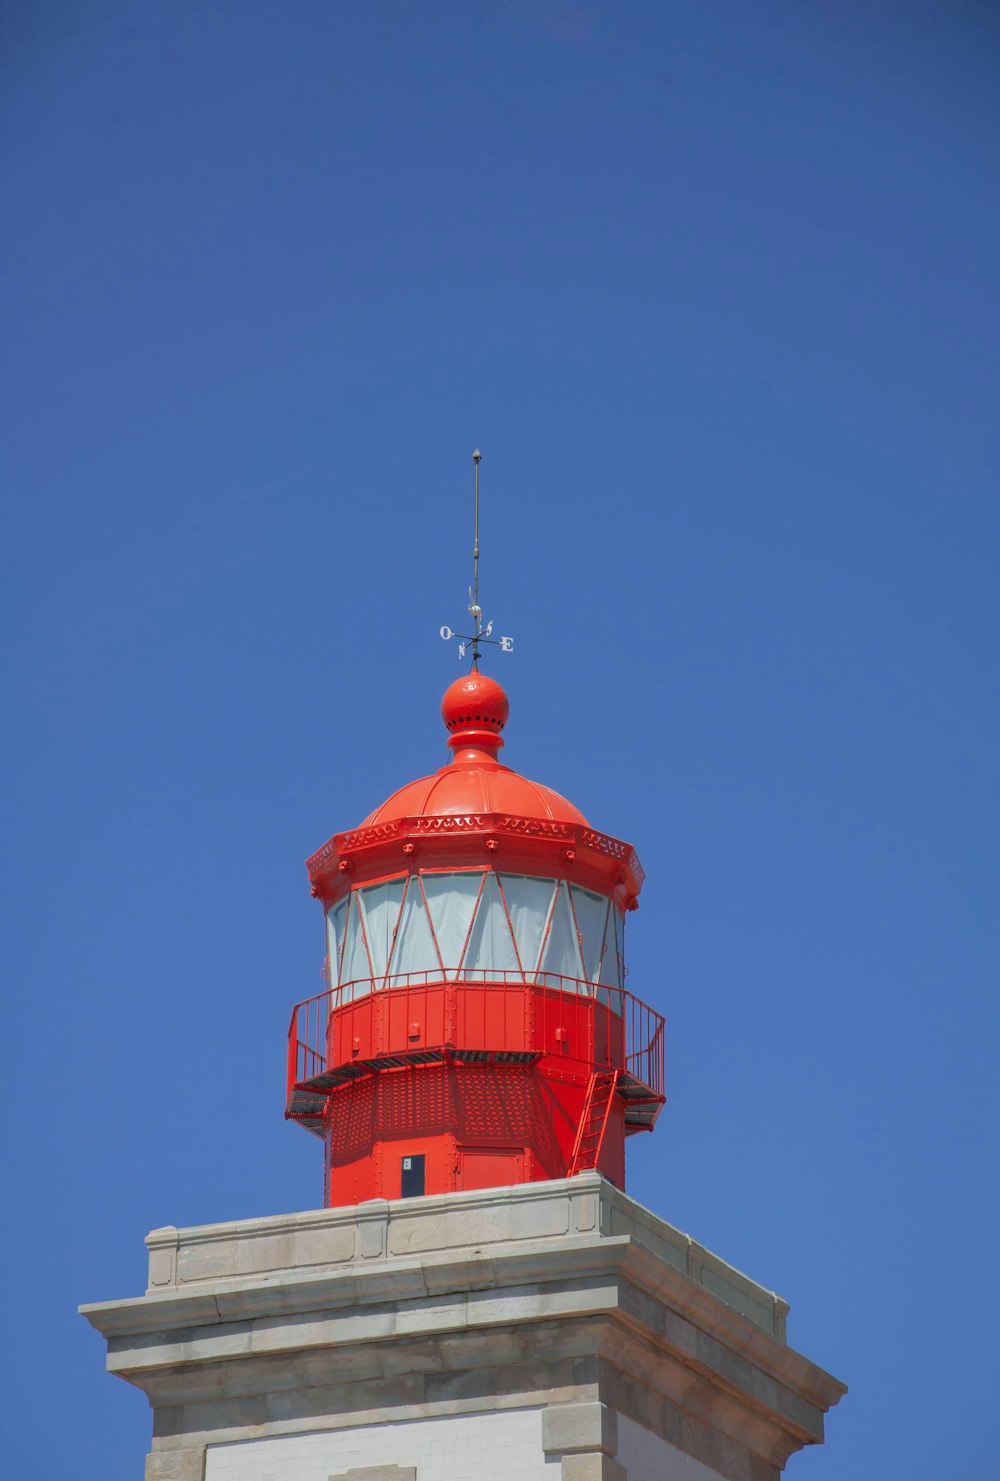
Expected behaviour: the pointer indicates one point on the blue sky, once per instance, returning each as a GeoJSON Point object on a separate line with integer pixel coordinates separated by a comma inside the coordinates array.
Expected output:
{"type": "Point", "coordinates": [715, 289]}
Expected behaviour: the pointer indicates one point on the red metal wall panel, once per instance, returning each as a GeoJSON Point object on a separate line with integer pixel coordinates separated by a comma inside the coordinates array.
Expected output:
{"type": "Point", "coordinates": [438, 1110]}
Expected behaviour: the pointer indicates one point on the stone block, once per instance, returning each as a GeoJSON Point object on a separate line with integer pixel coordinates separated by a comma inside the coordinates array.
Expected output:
{"type": "Point", "coordinates": [333, 1245]}
{"type": "Point", "coordinates": [442, 1314]}
{"type": "Point", "coordinates": [761, 1313]}
{"type": "Point", "coordinates": [583, 1427]}
{"type": "Point", "coordinates": [592, 1466]}
{"type": "Point", "coordinates": [445, 1390]}
{"type": "Point", "coordinates": [176, 1465]}
{"type": "Point", "coordinates": [162, 1247]}
{"type": "Point", "coordinates": [417, 1232]}
{"type": "Point", "coordinates": [481, 1223]}
{"type": "Point", "coordinates": [586, 1206]}
{"type": "Point", "coordinates": [541, 1219]}
{"type": "Point", "coordinates": [208, 1261]}
{"type": "Point", "coordinates": [377, 1473]}
{"type": "Point", "coordinates": [373, 1225]}
{"type": "Point", "coordinates": [540, 1375]}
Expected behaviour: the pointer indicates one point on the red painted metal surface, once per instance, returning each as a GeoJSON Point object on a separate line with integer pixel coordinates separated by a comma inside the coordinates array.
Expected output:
{"type": "Point", "coordinates": [490, 1077]}
{"type": "Point", "coordinates": [594, 1119]}
{"type": "Point", "coordinates": [496, 1013]}
{"type": "Point", "coordinates": [475, 710]}
{"type": "Point", "coordinates": [477, 1064]}
{"type": "Point", "coordinates": [515, 844]}
{"type": "Point", "coordinates": [474, 808]}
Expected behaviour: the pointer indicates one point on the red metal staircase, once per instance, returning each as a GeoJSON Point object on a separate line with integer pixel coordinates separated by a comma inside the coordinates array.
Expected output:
{"type": "Point", "coordinates": [593, 1121]}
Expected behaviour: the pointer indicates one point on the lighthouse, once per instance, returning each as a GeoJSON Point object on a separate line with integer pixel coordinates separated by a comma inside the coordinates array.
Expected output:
{"type": "Point", "coordinates": [478, 1298]}
{"type": "Point", "coordinates": [476, 1031]}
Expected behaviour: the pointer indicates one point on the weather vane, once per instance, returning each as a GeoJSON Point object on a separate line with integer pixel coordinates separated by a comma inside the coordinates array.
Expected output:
{"type": "Point", "coordinates": [479, 633]}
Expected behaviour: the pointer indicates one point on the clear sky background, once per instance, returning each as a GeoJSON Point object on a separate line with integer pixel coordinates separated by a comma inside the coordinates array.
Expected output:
{"type": "Point", "coordinates": [714, 286]}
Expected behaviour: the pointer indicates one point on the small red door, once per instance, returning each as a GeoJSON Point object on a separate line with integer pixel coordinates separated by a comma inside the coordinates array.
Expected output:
{"type": "Point", "coordinates": [489, 1167]}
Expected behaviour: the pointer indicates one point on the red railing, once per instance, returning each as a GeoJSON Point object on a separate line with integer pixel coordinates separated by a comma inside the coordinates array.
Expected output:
{"type": "Point", "coordinates": [586, 1024]}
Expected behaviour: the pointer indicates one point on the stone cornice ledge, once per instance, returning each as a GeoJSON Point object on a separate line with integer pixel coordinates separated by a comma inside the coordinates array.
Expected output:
{"type": "Point", "coordinates": [323, 1239]}
{"type": "Point", "coordinates": [294, 1293]}
{"type": "Point", "coordinates": [708, 1314]}
{"type": "Point", "coordinates": [449, 1294]}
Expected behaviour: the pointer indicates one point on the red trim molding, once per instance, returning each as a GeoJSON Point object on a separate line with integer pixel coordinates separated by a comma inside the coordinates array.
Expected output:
{"type": "Point", "coordinates": [543, 846]}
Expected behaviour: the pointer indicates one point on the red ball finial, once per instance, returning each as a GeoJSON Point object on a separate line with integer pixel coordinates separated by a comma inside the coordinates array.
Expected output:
{"type": "Point", "coordinates": [475, 710]}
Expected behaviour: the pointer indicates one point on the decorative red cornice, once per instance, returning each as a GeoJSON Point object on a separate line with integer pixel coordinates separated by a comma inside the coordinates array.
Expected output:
{"type": "Point", "coordinates": [534, 845]}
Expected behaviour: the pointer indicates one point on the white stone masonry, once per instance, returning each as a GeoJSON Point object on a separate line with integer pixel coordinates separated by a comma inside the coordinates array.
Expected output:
{"type": "Point", "coordinates": [550, 1330]}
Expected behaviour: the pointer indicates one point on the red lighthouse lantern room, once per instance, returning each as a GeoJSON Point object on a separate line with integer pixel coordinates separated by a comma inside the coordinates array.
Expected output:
{"type": "Point", "coordinates": [476, 1030]}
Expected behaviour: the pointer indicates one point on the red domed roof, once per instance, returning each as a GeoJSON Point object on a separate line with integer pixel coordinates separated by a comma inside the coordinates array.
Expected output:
{"type": "Point", "coordinates": [475, 710]}
{"type": "Point", "coordinates": [472, 811]}
{"type": "Point", "coordinates": [475, 789]}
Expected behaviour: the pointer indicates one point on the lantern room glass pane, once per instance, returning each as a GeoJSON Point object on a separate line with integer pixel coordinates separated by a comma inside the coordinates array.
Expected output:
{"type": "Point", "coordinates": [611, 965]}
{"type": "Point", "coordinates": [381, 904]}
{"type": "Point", "coordinates": [561, 952]}
{"type": "Point", "coordinates": [356, 965]}
{"type": "Point", "coordinates": [414, 950]}
{"type": "Point", "coordinates": [335, 939]}
{"type": "Point", "coordinates": [491, 946]}
{"type": "Point", "coordinates": [528, 904]}
{"type": "Point", "coordinates": [591, 918]}
{"type": "Point", "coordinates": [451, 900]}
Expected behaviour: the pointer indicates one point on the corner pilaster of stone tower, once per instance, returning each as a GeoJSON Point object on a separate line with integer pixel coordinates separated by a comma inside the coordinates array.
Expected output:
{"type": "Point", "coordinates": [551, 1331]}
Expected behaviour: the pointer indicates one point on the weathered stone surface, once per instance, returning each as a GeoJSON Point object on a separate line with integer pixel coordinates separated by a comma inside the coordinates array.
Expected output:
{"type": "Point", "coordinates": [594, 1466]}
{"type": "Point", "coordinates": [567, 1297]}
{"type": "Point", "coordinates": [377, 1473]}
{"type": "Point", "coordinates": [380, 1230]}
{"type": "Point", "coordinates": [567, 1427]}
{"type": "Point", "coordinates": [176, 1465]}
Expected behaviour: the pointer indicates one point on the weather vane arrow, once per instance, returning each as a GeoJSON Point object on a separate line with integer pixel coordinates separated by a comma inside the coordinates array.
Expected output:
{"type": "Point", "coordinates": [479, 634]}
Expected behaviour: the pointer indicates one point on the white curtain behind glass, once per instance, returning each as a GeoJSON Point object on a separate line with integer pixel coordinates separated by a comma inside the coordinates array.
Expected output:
{"type": "Point", "coordinates": [414, 950]}
{"type": "Point", "coordinates": [355, 966]}
{"type": "Point", "coordinates": [335, 939]}
{"type": "Point", "coordinates": [591, 913]}
{"type": "Point", "coordinates": [611, 966]}
{"type": "Point", "coordinates": [491, 947]}
{"type": "Point", "coordinates": [451, 900]}
{"type": "Point", "coordinates": [383, 928]}
{"type": "Point", "coordinates": [381, 904]}
{"type": "Point", "coordinates": [528, 904]}
{"type": "Point", "coordinates": [561, 952]}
